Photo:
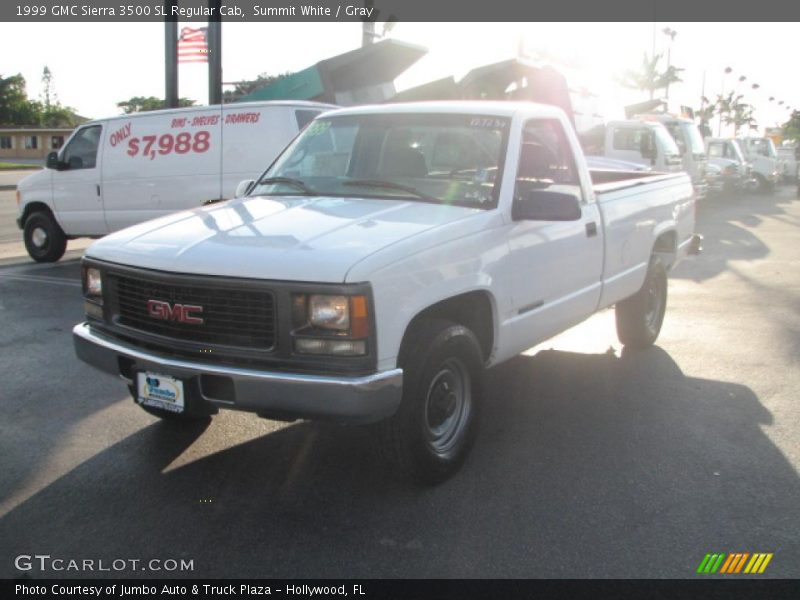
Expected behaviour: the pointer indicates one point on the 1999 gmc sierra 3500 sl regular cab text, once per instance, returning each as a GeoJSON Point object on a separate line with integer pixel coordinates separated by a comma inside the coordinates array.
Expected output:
{"type": "Point", "coordinates": [384, 260]}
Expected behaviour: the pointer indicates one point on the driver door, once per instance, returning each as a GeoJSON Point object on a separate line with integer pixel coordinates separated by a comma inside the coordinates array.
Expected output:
{"type": "Point", "coordinates": [77, 193]}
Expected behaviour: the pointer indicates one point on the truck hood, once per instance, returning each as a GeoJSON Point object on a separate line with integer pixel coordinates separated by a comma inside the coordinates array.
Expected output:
{"type": "Point", "coordinates": [281, 238]}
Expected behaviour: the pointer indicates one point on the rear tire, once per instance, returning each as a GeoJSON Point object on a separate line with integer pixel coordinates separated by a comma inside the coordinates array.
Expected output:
{"type": "Point", "coordinates": [432, 432]}
{"type": "Point", "coordinates": [639, 318]}
{"type": "Point", "coordinates": [44, 239]}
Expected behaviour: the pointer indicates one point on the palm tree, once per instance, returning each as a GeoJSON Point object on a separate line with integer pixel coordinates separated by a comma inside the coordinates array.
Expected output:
{"type": "Point", "coordinates": [736, 112]}
{"type": "Point", "coordinates": [648, 77]}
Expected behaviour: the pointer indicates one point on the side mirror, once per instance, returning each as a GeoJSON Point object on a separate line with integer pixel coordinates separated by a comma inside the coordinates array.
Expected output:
{"type": "Point", "coordinates": [53, 162]}
{"type": "Point", "coordinates": [544, 205]}
{"type": "Point", "coordinates": [243, 187]}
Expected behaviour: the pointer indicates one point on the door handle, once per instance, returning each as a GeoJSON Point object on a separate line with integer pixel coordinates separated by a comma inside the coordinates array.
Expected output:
{"type": "Point", "coordinates": [97, 187]}
{"type": "Point", "coordinates": [591, 229]}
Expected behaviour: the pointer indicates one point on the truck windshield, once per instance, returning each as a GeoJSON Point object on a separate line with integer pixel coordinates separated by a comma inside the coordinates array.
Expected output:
{"type": "Point", "coordinates": [665, 140]}
{"type": "Point", "coordinates": [687, 134]}
{"type": "Point", "coordinates": [695, 139]}
{"type": "Point", "coordinates": [759, 146]}
{"type": "Point", "coordinates": [441, 158]}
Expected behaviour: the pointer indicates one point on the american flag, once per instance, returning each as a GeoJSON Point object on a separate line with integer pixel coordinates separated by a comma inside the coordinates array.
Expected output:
{"type": "Point", "coordinates": [193, 45]}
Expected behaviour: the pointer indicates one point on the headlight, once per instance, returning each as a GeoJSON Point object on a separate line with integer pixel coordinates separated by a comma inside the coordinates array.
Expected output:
{"type": "Point", "coordinates": [329, 312]}
{"type": "Point", "coordinates": [93, 292]}
{"type": "Point", "coordinates": [94, 282]}
{"type": "Point", "coordinates": [330, 324]}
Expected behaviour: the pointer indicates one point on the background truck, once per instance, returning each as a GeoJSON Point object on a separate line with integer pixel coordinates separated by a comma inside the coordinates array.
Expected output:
{"type": "Point", "coordinates": [641, 142]}
{"type": "Point", "coordinates": [734, 170]}
{"type": "Point", "coordinates": [763, 159]}
{"type": "Point", "coordinates": [690, 145]}
{"type": "Point", "coordinates": [386, 259]}
{"type": "Point", "coordinates": [116, 172]}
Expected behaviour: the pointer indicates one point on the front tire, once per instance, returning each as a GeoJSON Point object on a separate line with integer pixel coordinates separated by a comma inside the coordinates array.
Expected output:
{"type": "Point", "coordinates": [432, 432]}
{"type": "Point", "coordinates": [764, 186]}
{"type": "Point", "coordinates": [44, 239]}
{"type": "Point", "coordinates": [639, 318]}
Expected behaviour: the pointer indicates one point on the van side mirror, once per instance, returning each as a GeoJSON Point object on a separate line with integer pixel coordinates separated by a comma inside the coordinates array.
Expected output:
{"type": "Point", "coordinates": [53, 162]}
{"type": "Point", "coordinates": [243, 187]}
{"type": "Point", "coordinates": [544, 205]}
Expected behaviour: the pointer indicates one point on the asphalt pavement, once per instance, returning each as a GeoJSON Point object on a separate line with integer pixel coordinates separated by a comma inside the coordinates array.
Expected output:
{"type": "Point", "coordinates": [591, 462]}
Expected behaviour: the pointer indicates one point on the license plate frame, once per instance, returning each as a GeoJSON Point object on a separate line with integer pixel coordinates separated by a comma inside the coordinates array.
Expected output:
{"type": "Point", "coordinates": [160, 391]}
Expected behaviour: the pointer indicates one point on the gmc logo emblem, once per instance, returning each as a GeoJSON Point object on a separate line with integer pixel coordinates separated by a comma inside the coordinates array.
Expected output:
{"type": "Point", "coordinates": [158, 309]}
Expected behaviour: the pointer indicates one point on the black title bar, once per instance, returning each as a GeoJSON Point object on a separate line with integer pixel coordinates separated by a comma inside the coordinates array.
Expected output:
{"type": "Point", "coordinates": [399, 10]}
{"type": "Point", "coordinates": [439, 589]}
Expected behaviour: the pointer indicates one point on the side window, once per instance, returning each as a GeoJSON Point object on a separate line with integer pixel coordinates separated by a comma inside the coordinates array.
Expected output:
{"type": "Point", "coordinates": [304, 117]}
{"type": "Point", "coordinates": [717, 150]}
{"type": "Point", "coordinates": [628, 138]}
{"type": "Point", "coordinates": [81, 152]}
{"type": "Point", "coordinates": [546, 160]}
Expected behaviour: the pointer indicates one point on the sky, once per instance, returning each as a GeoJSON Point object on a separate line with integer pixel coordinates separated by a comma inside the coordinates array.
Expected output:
{"type": "Point", "coordinates": [96, 65]}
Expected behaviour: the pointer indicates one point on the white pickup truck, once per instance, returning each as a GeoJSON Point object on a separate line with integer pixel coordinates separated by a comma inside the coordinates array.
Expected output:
{"type": "Point", "coordinates": [386, 259]}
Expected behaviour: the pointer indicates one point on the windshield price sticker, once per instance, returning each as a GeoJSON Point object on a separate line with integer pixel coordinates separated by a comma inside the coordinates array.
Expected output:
{"type": "Point", "coordinates": [318, 127]}
{"type": "Point", "coordinates": [488, 123]}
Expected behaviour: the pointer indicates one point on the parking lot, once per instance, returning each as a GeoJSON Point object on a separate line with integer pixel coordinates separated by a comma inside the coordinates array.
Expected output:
{"type": "Point", "coordinates": [591, 462]}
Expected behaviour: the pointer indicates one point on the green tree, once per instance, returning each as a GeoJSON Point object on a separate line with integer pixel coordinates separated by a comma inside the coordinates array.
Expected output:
{"type": "Point", "coordinates": [649, 77]}
{"type": "Point", "coordinates": [791, 129]}
{"type": "Point", "coordinates": [53, 114]}
{"type": "Point", "coordinates": [144, 104]}
{"type": "Point", "coordinates": [15, 108]}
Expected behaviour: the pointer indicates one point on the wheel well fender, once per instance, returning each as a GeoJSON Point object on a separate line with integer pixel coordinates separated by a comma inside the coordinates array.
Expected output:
{"type": "Point", "coordinates": [474, 310]}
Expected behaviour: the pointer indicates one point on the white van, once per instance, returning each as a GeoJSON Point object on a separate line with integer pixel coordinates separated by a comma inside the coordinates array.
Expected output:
{"type": "Point", "coordinates": [116, 172]}
{"type": "Point", "coordinates": [641, 142]}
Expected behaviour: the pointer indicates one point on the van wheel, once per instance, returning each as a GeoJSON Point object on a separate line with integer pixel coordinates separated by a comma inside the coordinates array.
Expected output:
{"type": "Point", "coordinates": [639, 318]}
{"type": "Point", "coordinates": [432, 432]}
{"type": "Point", "coordinates": [44, 239]}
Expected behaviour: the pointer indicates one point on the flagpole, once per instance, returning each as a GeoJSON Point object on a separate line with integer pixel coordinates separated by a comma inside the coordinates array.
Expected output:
{"type": "Point", "coordinates": [170, 55]}
{"type": "Point", "coordinates": [215, 53]}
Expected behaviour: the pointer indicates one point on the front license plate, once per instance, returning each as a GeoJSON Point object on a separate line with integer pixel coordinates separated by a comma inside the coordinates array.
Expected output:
{"type": "Point", "coordinates": [160, 391]}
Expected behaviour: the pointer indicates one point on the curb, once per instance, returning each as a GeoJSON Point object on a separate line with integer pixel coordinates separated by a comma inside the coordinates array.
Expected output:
{"type": "Point", "coordinates": [7, 188]}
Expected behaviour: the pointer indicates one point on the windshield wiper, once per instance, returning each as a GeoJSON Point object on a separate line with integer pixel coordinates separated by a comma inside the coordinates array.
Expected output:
{"type": "Point", "coordinates": [299, 184]}
{"type": "Point", "coordinates": [390, 185]}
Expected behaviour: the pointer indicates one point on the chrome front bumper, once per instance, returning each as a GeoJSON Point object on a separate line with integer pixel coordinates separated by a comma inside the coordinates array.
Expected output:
{"type": "Point", "coordinates": [364, 399]}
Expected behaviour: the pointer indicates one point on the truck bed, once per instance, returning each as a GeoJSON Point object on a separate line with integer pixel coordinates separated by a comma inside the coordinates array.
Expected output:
{"type": "Point", "coordinates": [607, 180]}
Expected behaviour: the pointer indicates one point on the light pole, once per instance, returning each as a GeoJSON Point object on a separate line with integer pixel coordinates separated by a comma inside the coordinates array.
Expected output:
{"type": "Point", "coordinates": [727, 71]}
{"type": "Point", "coordinates": [670, 33]}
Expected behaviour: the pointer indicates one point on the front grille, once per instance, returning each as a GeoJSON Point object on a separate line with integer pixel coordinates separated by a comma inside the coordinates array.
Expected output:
{"type": "Point", "coordinates": [232, 316]}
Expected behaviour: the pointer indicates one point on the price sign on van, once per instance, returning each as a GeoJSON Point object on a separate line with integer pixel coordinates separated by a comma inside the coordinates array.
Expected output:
{"type": "Point", "coordinates": [150, 146]}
